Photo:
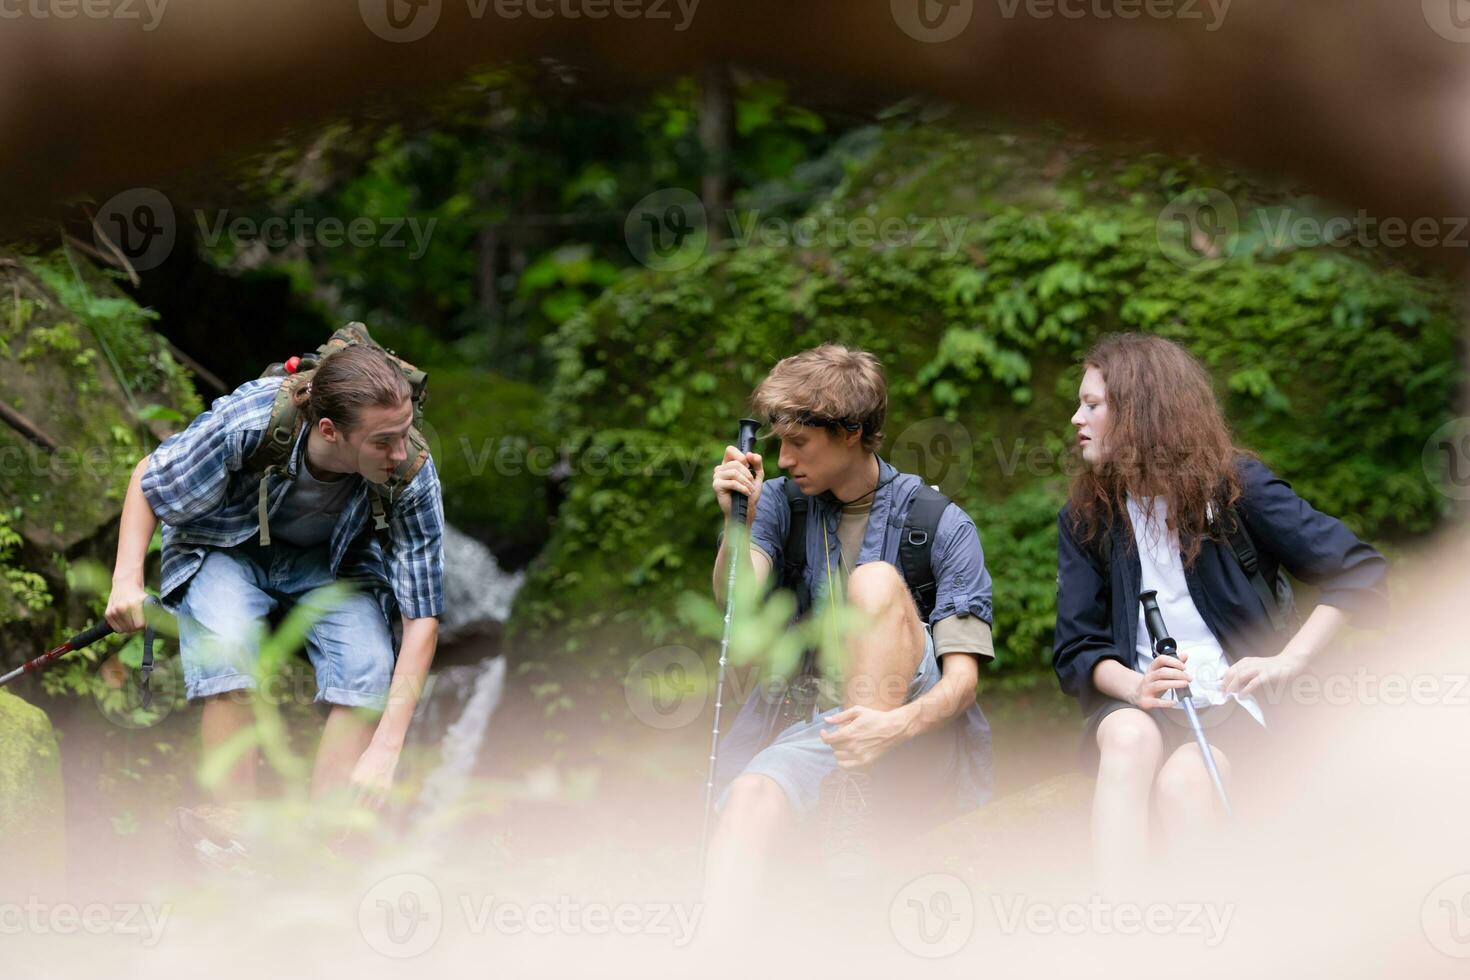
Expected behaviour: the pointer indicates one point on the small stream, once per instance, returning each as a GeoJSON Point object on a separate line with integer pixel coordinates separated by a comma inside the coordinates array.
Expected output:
{"type": "Point", "coordinates": [459, 701]}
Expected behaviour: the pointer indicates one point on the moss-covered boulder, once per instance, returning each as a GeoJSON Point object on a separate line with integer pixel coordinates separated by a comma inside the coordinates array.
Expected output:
{"type": "Point", "coordinates": [1336, 362]}
{"type": "Point", "coordinates": [496, 458]}
{"type": "Point", "coordinates": [32, 831]}
{"type": "Point", "coordinates": [97, 388]}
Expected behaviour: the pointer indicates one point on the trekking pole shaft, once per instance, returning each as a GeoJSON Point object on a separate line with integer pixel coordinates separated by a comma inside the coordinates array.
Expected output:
{"type": "Point", "coordinates": [745, 442]}
{"type": "Point", "coordinates": [1164, 645]}
{"type": "Point", "coordinates": [1209, 757]}
{"type": "Point", "coordinates": [85, 638]}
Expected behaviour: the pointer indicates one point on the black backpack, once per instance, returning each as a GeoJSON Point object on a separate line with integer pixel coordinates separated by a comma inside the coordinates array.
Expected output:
{"type": "Point", "coordinates": [914, 550]}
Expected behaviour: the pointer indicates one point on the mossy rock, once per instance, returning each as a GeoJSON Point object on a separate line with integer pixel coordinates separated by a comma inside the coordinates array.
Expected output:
{"type": "Point", "coordinates": [32, 829]}
{"type": "Point", "coordinates": [495, 454]}
{"type": "Point", "coordinates": [81, 361]}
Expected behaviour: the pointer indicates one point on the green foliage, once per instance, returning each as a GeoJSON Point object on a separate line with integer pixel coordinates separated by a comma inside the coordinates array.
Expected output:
{"type": "Point", "coordinates": [1334, 363]}
{"type": "Point", "coordinates": [123, 328]}
{"type": "Point", "coordinates": [21, 591]}
{"type": "Point", "coordinates": [518, 182]}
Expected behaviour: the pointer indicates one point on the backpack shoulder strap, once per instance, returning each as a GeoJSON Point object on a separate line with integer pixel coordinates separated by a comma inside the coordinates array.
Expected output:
{"type": "Point", "coordinates": [916, 546]}
{"type": "Point", "coordinates": [1244, 547]}
{"type": "Point", "coordinates": [282, 429]}
{"type": "Point", "coordinates": [274, 451]}
{"type": "Point", "coordinates": [793, 549]}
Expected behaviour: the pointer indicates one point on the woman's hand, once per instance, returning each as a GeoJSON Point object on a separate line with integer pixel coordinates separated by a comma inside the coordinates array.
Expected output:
{"type": "Point", "coordinates": [1164, 673]}
{"type": "Point", "coordinates": [738, 473]}
{"type": "Point", "coordinates": [863, 735]}
{"type": "Point", "coordinates": [1249, 673]}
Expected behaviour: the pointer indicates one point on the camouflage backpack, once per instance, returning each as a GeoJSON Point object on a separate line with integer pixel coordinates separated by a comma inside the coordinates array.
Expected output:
{"type": "Point", "coordinates": [287, 419]}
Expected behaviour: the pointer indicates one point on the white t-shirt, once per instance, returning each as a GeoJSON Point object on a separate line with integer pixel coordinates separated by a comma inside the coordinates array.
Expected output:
{"type": "Point", "coordinates": [1163, 572]}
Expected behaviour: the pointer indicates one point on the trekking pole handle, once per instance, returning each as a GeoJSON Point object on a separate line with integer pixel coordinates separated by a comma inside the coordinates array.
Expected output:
{"type": "Point", "coordinates": [89, 636]}
{"type": "Point", "coordinates": [745, 442]}
{"type": "Point", "coordinates": [1158, 633]}
{"type": "Point", "coordinates": [101, 630]}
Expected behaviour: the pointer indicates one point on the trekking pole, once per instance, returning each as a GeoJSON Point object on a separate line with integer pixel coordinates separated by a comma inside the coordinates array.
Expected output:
{"type": "Point", "coordinates": [745, 442]}
{"type": "Point", "coordinates": [85, 639]}
{"type": "Point", "coordinates": [1164, 645]}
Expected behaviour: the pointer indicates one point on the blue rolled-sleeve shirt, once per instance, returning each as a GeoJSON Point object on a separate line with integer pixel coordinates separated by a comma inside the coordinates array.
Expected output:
{"type": "Point", "coordinates": [197, 485]}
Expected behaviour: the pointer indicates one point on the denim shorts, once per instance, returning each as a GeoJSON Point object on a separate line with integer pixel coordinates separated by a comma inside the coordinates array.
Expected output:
{"type": "Point", "coordinates": [797, 760]}
{"type": "Point", "coordinates": [223, 614]}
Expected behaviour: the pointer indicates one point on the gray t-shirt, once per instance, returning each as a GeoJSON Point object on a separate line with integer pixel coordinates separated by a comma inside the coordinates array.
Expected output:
{"type": "Point", "coordinates": [309, 511]}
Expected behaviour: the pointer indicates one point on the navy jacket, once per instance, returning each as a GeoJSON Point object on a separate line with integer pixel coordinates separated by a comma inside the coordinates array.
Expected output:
{"type": "Point", "coordinates": [1097, 606]}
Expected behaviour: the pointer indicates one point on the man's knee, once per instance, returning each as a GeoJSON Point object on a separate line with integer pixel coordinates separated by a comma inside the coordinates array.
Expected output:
{"type": "Point", "coordinates": [876, 587]}
{"type": "Point", "coordinates": [756, 807]}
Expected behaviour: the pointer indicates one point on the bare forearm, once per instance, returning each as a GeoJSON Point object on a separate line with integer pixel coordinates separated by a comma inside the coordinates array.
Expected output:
{"type": "Point", "coordinates": [135, 530]}
{"type": "Point", "coordinates": [1317, 632]}
{"type": "Point", "coordinates": [948, 699]}
{"type": "Point", "coordinates": [420, 640]}
{"type": "Point", "coordinates": [1116, 681]}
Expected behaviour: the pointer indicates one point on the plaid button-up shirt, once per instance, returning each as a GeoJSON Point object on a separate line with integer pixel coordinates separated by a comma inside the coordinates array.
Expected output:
{"type": "Point", "coordinates": [197, 484]}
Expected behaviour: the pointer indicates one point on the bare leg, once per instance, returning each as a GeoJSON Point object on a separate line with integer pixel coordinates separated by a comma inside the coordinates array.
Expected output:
{"type": "Point", "coordinates": [1130, 747]}
{"type": "Point", "coordinates": [224, 716]}
{"type": "Point", "coordinates": [345, 738]}
{"type": "Point", "coordinates": [883, 656]}
{"type": "Point", "coordinates": [755, 818]}
{"type": "Point", "coordinates": [1188, 807]}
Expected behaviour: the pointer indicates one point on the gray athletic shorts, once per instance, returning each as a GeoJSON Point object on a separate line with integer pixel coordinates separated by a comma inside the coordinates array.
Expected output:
{"type": "Point", "coordinates": [797, 760]}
